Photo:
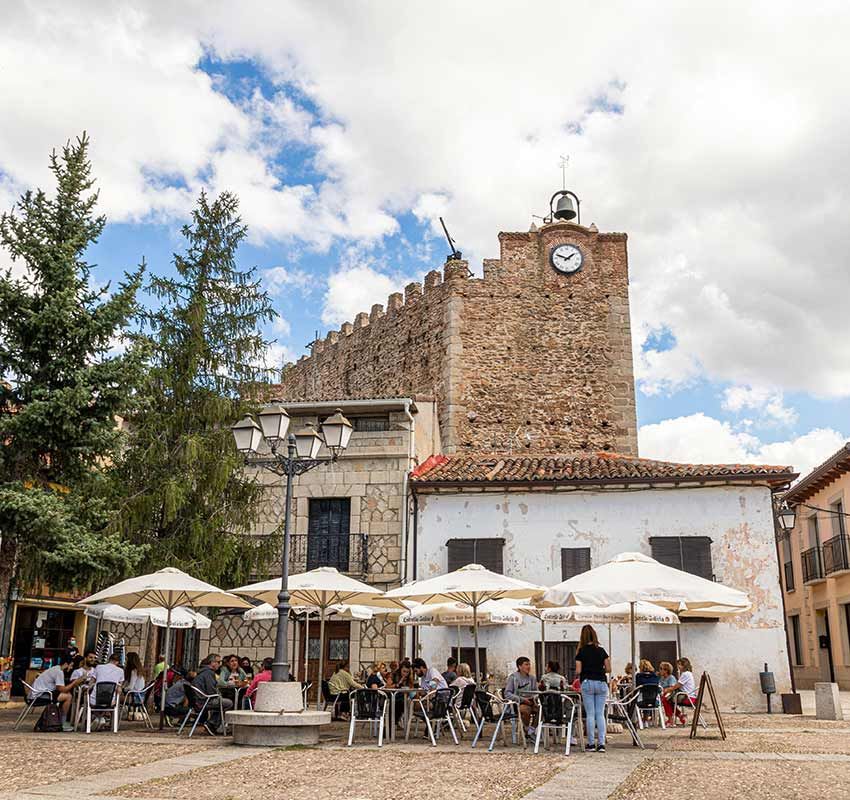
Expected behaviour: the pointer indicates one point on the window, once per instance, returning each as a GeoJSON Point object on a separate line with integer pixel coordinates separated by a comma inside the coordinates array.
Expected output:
{"type": "Point", "coordinates": [796, 647]}
{"type": "Point", "coordinates": [337, 649]}
{"type": "Point", "coordinates": [574, 561]}
{"type": "Point", "coordinates": [814, 535]}
{"type": "Point", "coordinates": [328, 533]}
{"type": "Point", "coordinates": [487, 552]}
{"type": "Point", "coordinates": [837, 510]}
{"type": "Point", "coordinates": [689, 553]}
{"type": "Point", "coordinates": [370, 423]}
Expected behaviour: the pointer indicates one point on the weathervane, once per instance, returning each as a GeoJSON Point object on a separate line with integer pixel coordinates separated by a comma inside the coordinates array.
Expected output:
{"type": "Point", "coordinates": [564, 163]}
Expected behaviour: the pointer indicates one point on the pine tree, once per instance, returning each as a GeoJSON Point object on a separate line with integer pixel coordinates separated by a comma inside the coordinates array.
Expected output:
{"type": "Point", "coordinates": [62, 386]}
{"type": "Point", "coordinates": [184, 493]}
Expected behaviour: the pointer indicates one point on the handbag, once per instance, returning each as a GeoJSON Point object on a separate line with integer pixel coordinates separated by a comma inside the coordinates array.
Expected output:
{"type": "Point", "coordinates": [50, 720]}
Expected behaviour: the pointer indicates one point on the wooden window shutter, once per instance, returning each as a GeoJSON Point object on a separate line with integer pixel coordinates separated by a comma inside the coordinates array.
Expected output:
{"type": "Point", "coordinates": [696, 556]}
{"type": "Point", "coordinates": [666, 550]}
{"type": "Point", "coordinates": [461, 553]}
{"type": "Point", "coordinates": [574, 561]}
{"type": "Point", "coordinates": [487, 552]}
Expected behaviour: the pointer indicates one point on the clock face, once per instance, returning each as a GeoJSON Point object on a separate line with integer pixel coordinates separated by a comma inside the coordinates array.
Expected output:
{"type": "Point", "coordinates": [567, 258]}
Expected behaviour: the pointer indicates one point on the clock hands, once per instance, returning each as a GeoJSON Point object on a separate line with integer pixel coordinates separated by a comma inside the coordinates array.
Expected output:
{"type": "Point", "coordinates": [565, 258]}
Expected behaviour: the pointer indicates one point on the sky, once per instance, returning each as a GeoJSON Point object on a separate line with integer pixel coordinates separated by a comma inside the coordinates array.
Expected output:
{"type": "Point", "coordinates": [714, 133]}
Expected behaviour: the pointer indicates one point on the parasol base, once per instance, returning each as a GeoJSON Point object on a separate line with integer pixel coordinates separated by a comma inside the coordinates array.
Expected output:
{"type": "Point", "coordinates": [279, 696]}
{"type": "Point", "coordinates": [277, 729]}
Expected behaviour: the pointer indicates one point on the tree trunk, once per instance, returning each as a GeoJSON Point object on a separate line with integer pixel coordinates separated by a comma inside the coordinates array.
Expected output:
{"type": "Point", "coordinates": [8, 554]}
{"type": "Point", "coordinates": [150, 655]}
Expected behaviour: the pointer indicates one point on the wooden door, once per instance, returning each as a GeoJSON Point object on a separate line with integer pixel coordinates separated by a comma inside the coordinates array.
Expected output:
{"type": "Point", "coordinates": [656, 652]}
{"type": "Point", "coordinates": [328, 530]}
{"type": "Point", "coordinates": [562, 652]}
{"type": "Point", "coordinates": [337, 650]}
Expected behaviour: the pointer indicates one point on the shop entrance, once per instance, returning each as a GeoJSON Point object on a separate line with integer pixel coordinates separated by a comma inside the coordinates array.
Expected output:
{"type": "Point", "coordinates": [39, 637]}
{"type": "Point", "coordinates": [337, 649]}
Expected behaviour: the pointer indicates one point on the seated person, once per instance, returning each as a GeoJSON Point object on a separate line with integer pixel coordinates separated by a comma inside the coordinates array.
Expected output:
{"type": "Point", "coordinates": [176, 702]}
{"type": "Point", "coordinates": [159, 666]}
{"type": "Point", "coordinates": [552, 680]}
{"type": "Point", "coordinates": [85, 668]}
{"type": "Point", "coordinates": [430, 678]}
{"type": "Point", "coordinates": [401, 678]}
{"type": "Point", "coordinates": [52, 680]}
{"type": "Point", "coordinates": [463, 679]}
{"type": "Point", "coordinates": [451, 670]}
{"type": "Point", "coordinates": [110, 672]}
{"type": "Point", "coordinates": [340, 684]}
{"type": "Point", "coordinates": [685, 685]}
{"type": "Point", "coordinates": [134, 685]}
{"type": "Point", "coordinates": [646, 673]}
{"type": "Point", "coordinates": [247, 668]}
{"type": "Point", "coordinates": [265, 674]}
{"type": "Point", "coordinates": [207, 683]}
{"type": "Point", "coordinates": [518, 683]}
{"type": "Point", "coordinates": [666, 678]}
{"type": "Point", "coordinates": [375, 680]}
{"type": "Point", "coordinates": [231, 674]}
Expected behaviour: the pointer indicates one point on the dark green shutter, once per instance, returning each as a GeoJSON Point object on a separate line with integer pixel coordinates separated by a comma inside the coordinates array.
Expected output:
{"type": "Point", "coordinates": [487, 552]}
{"type": "Point", "coordinates": [574, 561]}
{"type": "Point", "coordinates": [689, 553]}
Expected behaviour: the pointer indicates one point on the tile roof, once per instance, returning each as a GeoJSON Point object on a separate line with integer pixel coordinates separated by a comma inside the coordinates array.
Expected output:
{"type": "Point", "coordinates": [832, 469]}
{"type": "Point", "coordinates": [585, 468]}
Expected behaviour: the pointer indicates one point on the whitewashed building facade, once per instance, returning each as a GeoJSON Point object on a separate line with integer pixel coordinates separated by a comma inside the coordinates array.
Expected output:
{"type": "Point", "coordinates": [544, 519]}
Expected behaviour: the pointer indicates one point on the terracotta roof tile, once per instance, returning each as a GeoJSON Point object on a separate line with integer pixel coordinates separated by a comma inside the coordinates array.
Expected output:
{"type": "Point", "coordinates": [602, 467]}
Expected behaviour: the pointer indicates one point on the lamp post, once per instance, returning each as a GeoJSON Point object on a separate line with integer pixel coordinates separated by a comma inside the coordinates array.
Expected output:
{"type": "Point", "coordinates": [300, 456]}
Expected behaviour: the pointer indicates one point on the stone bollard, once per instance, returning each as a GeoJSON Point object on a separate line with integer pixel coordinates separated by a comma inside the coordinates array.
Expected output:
{"type": "Point", "coordinates": [828, 701]}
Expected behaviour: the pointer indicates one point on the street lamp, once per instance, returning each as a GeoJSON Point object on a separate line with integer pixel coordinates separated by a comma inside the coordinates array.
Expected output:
{"type": "Point", "coordinates": [302, 450]}
{"type": "Point", "coordinates": [787, 516]}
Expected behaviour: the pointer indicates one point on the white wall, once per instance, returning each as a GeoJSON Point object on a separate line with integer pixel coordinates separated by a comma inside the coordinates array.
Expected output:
{"type": "Point", "coordinates": [536, 525]}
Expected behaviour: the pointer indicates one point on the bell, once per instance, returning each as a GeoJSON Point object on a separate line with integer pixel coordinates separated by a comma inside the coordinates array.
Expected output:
{"type": "Point", "coordinates": [565, 209]}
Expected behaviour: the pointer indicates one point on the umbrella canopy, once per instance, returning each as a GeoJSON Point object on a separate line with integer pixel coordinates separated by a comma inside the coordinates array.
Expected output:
{"type": "Point", "coordinates": [319, 588]}
{"type": "Point", "coordinates": [634, 577]}
{"type": "Point", "coordinates": [473, 585]}
{"type": "Point", "coordinates": [492, 612]}
{"type": "Point", "coordinates": [618, 613]}
{"type": "Point", "coordinates": [181, 617]}
{"type": "Point", "coordinates": [168, 588]}
{"type": "Point", "coordinates": [339, 611]}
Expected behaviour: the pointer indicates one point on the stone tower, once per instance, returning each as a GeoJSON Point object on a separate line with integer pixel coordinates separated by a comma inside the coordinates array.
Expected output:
{"type": "Point", "coordinates": [533, 357]}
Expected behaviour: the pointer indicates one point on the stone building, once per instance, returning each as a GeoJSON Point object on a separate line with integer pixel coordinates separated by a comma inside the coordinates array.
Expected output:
{"type": "Point", "coordinates": [815, 558]}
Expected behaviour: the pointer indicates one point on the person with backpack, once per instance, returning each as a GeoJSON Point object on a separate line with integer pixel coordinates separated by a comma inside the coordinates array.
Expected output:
{"type": "Point", "coordinates": [52, 682]}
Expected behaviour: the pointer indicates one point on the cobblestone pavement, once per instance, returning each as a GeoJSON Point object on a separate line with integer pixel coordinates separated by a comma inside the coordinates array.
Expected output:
{"type": "Point", "coordinates": [762, 757]}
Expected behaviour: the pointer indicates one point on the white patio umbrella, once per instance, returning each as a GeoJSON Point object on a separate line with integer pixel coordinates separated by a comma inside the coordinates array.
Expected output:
{"type": "Point", "coordinates": [181, 617]}
{"type": "Point", "coordinates": [492, 612]}
{"type": "Point", "coordinates": [473, 585]}
{"type": "Point", "coordinates": [167, 588]}
{"type": "Point", "coordinates": [634, 577]}
{"type": "Point", "coordinates": [320, 588]}
{"type": "Point", "coordinates": [617, 613]}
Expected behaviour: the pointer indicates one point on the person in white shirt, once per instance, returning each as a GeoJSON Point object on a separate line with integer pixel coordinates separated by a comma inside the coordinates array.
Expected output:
{"type": "Point", "coordinates": [110, 672]}
{"type": "Point", "coordinates": [463, 679]}
{"type": "Point", "coordinates": [52, 680]}
{"type": "Point", "coordinates": [430, 678]}
{"type": "Point", "coordinates": [86, 668]}
{"type": "Point", "coordinates": [685, 685]}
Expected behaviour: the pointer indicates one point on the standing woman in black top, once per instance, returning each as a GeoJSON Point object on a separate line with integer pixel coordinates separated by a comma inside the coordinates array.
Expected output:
{"type": "Point", "coordinates": [592, 664]}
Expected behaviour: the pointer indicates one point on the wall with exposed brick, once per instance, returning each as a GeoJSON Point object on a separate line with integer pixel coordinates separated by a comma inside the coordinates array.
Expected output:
{"type": "Point", "coordinates": [523, 358]}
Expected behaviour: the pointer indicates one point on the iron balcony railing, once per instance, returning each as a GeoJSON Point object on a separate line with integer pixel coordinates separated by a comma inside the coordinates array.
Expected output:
{"type": "Point", "coordinates": [836, 554]}
{"type": "Point", "coordinates": [349, 553]}
{"type": "Point", "coordinates": [789, 576]}
{"type": "Point", "coordinates": [812, 565]}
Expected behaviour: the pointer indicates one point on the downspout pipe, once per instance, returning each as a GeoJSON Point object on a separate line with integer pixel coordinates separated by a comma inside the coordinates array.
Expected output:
{"type": "Point", "coordinates": [405, 523]}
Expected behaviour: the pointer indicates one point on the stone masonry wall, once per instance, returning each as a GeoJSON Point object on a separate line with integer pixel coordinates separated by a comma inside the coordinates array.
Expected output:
{"type": "Point", "coordinates": [524, 358]}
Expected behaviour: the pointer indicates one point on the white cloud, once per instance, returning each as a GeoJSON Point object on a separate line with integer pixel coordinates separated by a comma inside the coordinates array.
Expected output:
{"type": "Point", "coordinates": [279, 279]}
{"type": "Point", "coordinates": [687, 126]}
{"type": "Point", "coordinates": [768, 402]}
{"type": "Point", "coordinates": [354, 289]}
{"type": "Point", "coordinates": [702, 439]}
{"type": "Point", "coordinates": [281, 326]}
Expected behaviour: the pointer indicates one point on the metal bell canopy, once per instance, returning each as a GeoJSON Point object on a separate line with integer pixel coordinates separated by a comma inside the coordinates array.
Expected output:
{"type": "Point", "coordinates": [565, 210]}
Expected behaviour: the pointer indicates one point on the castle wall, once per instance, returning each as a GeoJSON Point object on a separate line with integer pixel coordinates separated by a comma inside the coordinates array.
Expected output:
{"type": "Point", "coordinates": [523, 358]}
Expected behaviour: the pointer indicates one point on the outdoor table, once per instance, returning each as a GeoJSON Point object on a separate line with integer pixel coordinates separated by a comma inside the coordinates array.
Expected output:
{"type": "Point", "coordinates": [228, 691]}
{"type": "Point", "coordinates": [391, 692]}
{"type": "Point", "coordinates": [81, 697]}
{"type": "Point", "coordinates": [577, 701]}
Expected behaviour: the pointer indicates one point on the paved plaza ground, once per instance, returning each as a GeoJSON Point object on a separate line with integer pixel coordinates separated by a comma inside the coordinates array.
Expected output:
{"type": "Point", "coordinates": [763, 757]}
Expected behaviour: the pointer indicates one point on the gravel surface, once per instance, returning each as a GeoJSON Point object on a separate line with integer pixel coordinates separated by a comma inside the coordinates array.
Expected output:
{"type": "Point", "coordinates": [733, 780]}
{"type": "Point", "coordinates": [819, 741]}
{"type": "Point", "coordinates": [29, 761]}
{"type": "Point", "coordinates": [779, 721]}
{"type": "Point", "coordinates": [311, 774]}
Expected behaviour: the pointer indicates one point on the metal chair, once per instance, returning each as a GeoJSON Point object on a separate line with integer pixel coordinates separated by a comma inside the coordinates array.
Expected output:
{"type": "Point", "coordinates": [681, 700]}
{"type": "Point", "coordinates": [106, 701]}
{"type": "Point", "coordinates": [508, 711]}
{"type": "Point", "coordinates": [41, 698]}
{"type": "Point", "coordinates": [305, 687]}
{"type": "Point", "coordinates": [465, 705]}
{"type": "Point", "coordinates": [129, 703]}
{"type": "Point", "coordinates": [620, 710]}
{"type": "Point", "coordinates": [328, 698]}
{"type": "Point", "coordinates": [199, 703]}
{"type": "Point", "coordinates": [436, 707]}
{"type": "Point", "coordinates": [369, 706]}
{"type": "Point", "coordinates": [647, 700]}
{"type": "Point", "coordinates": [555, 712]}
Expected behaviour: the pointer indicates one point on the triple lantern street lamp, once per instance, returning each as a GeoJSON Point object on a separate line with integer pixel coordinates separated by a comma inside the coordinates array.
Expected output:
{"type": "Point", "coordinates": [301, 455]}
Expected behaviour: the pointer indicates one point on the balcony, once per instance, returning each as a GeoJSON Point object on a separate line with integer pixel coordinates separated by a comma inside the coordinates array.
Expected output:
{"type": "Point", "coordinates": [349, 553]}
{"type": "Point", "coordinates": [812, 565]}
{"type": "Point", "coordinates": [836, 554]}
{"type": "Point", "coordinates": [789, 576]}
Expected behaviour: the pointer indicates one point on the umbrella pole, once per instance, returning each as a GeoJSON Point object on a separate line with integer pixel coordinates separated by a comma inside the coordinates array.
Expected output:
{"type": "Point", "coordinates": [307, 647]}
{"type": "Point", "coordinates": [458, 644]}
{"type": "Point", "coordinates": [321, 675]}
{"type": "Point", "coordinates": [165, 671]}
{"type": "Point", "coordinates": [610, 648]}
{"type": "Point", "coordinates": [679, 640]}
{"type": "Point", "coordinates": [475, 636]}
{"type": "Point", "coordinates": [542, 645]}
{"type": "Point", "coordinates": [632, 625]}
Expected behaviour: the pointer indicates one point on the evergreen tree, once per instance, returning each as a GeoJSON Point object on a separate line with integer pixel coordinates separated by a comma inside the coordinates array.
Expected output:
{"type": "Point", "coordinates": [185, 494]}
{"type": "Point", "coordinates": [62, 387]}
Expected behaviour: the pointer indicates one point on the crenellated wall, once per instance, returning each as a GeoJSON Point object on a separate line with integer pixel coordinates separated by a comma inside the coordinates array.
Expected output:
{"type": "Point", "coordinates": [525, 358]}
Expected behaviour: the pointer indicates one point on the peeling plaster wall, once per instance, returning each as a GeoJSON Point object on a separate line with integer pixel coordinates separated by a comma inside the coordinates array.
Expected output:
{"type": "Point", "coordinates": [537, 525]}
